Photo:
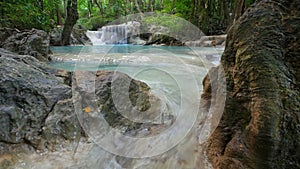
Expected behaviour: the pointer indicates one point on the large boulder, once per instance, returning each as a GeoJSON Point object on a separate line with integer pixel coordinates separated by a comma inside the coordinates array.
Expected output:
{"type": "Point", "coordinates": [36, 102]}
{"type": "Point", "coordinates": [78, 37]}
{"type": "Point", "coordinates": [28, 92]}
{"type": "Point", "coordinates": [29, 42]}
{"type": "Point", "coordinates": [260, 126]}
{"type": "Point", "coordinates": [125, 103]}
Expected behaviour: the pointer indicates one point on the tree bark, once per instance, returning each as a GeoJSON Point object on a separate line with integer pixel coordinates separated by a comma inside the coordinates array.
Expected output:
{"type": "Point", "coordinates": [239, 9]}
{"type": "Point", "coordinates": [137, 6]}
{"type": "Point", "coordinates": [90, 5]}
{"type": "Point", "coordinates": [72, 17]}
{"type": "Point", "coordinates": [65, 8]}
{"type": "Point", "coordinates": [99, 5]}
{"type": "Point", "coordinates": [150, 5]}
{"type": "Point", "coordinates": [58, 15]}
{"type": "Point", "coordinates": [172, 7]}
{"type": "Point", "coordinates": [260, 126]}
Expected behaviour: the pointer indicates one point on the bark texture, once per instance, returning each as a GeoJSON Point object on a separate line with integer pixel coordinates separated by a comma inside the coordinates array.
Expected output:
{"type": "Point", "coordinates": [72, 17]}
{"type": "Point", "coordinates": [260, 126]}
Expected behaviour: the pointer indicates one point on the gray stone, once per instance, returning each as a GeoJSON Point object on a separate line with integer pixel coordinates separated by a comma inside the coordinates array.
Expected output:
{"type": "Point", "coordinates": [36, 102]}
{"type": "Point", "coordinates": [30, 42]}
{"type": "Point", "coordinates": [28, 94]}
{"type": "Point", "coordinates": [78, 37]}
{"type": "Point", "coordinates": [208, 41]}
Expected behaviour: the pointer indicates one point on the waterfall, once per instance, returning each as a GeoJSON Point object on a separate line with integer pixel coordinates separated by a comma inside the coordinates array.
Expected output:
{"type": "Point", "coordinates": [114, 34]}
{"type": "Point", "coordinates": [95, 37]}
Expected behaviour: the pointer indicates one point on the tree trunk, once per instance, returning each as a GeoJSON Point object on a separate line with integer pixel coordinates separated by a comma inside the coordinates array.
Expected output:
{"type": "Point", "coordinates": [193, 10]}
{"type": "Point", "coordinates": [41, 5]}
{"type": "Point", "coordinates": [260, 126]}
{"type": "Point", "coordinates": [172, 7]}
{"type": "Point", "coordinates": [99, 5]}
{"type": "Point", "coordinates": [65, 8]}
{"type": "Point", "coordinates": [137, 6]}
{"type": "Point", "coordinates": [150, 5]}
{"type": "Point", "coordinates": [162, 5]}
{"type": "Point", "coordinates": [72, 16]}
{"type": "Point", "coordinates": [239, 9]}
{"type": "Point", "coordinates": [90, 6]}
{"type": "Point", "coordinates": [58, 15]}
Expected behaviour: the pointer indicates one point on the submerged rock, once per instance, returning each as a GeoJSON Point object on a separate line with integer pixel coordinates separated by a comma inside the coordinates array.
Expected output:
{"type": "Point", "coordinates": [260, 126]}
{"type": "Point", "coordinates": [31, 42]}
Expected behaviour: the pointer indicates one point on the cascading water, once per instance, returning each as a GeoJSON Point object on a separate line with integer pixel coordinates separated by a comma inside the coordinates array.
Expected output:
{"type": "Point", "coordinates": [95, 37]}
{"type": "Point", "coordinates": [181, 62]}
{"type": "Point", "coordinates": [148, 64]}
{"type": "Point", "coordinates": [114, 34]}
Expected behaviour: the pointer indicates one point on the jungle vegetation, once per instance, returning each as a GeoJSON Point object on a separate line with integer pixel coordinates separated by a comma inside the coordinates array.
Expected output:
{"type": "Point", "coordinates": [211, 16]}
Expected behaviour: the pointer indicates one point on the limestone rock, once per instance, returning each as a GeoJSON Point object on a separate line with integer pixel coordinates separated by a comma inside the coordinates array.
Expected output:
{"type": "Point", "coordinates": [61, 126]}
{"type": "Point", "coordinates": [36, 103]}
{"type": "Point", "coordinates": [163, 40]}
{"type": "Point", "coordinates": [208, 41]}
{"type": "Point", "coordinates": [28, 93]}
{"type": "Point", "coordinates": [124, 102]}
{"type": "Point", "coordinates": [31, 42]}
{"type": "Point", "coordinates": [78, 37]}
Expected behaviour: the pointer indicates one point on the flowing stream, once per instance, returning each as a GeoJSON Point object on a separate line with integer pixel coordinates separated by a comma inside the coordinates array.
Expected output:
{"type": "Point", "coordinates": [174, 74]}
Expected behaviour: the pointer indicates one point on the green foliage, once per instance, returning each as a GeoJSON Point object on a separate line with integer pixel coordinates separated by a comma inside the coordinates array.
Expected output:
{"type": "Point", "coordinates": [94, 23]}
{"type": "Point", "coordinates": [210, 16]}
{"type": "Point", "coordinates": [171, 22]}
{"type": "Point", "coordinates": [24, 15]}
{"type": "Point", "coordinates": [183, 9]}
{"type": "Point", "coordinates": [170, 25]}
{"type": "Point", "coordinates": [249, 2]}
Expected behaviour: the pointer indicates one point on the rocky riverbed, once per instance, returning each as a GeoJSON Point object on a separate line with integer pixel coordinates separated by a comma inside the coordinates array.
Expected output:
{"type": "Point", "coordinates": [37, 111]}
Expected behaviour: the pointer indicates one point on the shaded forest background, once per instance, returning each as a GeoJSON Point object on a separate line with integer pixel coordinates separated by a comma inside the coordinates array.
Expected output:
{"type": "Point", "coordinates": [211, 16]}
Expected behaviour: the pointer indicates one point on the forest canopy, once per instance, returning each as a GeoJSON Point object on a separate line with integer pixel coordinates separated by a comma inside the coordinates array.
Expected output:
{"type": "Point", "coordinates": [211, 16]}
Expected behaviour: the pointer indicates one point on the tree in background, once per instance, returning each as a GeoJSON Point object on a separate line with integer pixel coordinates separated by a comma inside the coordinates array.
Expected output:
{"type": "Point", "coordinates": [71, 19]}
{"type": "Point", "coordinates": [211, 16]}
{"type": "Point", "coordinates": [216, 16]}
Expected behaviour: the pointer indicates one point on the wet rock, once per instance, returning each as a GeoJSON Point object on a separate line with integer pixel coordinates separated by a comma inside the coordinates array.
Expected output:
{"type": "Point", "coordinates": [28, 93]}
{"type": "Point", "coordinates": [163, 40]}
{"type": "Point", "coordinates": [208, 41]}
{"type": "Point", "coordinates": [78, 37]}
{"type": "Point", "coordinates": [124, 102]}
{"type": "Point", "coordinates": [260, 123]}
{"type": "Point", "coordinates": [6, 32]}
{"type": "Point", "coordinates": [36, 103]}
{"type": "Point", "coordinates": [137, 41]}
{"type": "Point", "coordinates": [61, 126]}
{"type": "Point", "coordinates": [31, 42]}
{"type": "Point", "coordinates": [65, 75]}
